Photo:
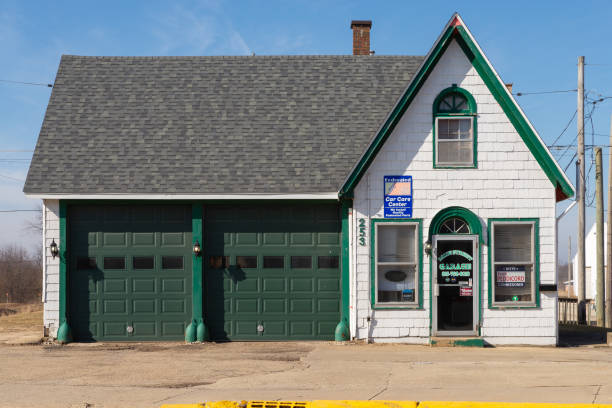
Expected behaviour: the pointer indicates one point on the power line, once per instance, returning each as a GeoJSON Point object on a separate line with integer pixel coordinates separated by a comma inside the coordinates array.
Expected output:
{"type": "Point", "coordinates": [14, 211]}
{"type": "Point", "coordinates": [27, 83]}
{"type": "Point", "coordinates": [545, 92]}
{"type": "Point", "coordinates": [11, 178]}
{"type": "Point", "coordinates": [566, 127]}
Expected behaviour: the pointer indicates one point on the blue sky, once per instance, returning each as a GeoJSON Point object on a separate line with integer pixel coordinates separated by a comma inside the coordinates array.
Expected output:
{"type": "Point", "coordinates": [534, 44]}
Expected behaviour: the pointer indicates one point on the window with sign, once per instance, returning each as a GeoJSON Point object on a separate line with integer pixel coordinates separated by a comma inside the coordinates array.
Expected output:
{"type": "Point", "coordinates": [396, 275]}
{"type": "Point", "coordinates": [455, 129]}
{"type": "Point", "coordinates": [513, 271]}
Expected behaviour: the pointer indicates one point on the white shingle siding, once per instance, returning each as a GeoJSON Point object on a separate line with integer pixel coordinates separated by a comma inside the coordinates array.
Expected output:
{"type": "Point", "coordinates": [508, 183]}
{"type": "Point", "coordinates": [51, 266]}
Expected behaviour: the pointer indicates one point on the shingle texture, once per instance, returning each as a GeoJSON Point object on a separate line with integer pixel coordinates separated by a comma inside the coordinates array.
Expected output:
{"type": "Point", "coordinates": [212, 125]}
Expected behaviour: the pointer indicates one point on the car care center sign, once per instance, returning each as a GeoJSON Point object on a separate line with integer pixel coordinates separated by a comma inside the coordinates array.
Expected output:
{"type": "Point", "coordinates": [398, 196]}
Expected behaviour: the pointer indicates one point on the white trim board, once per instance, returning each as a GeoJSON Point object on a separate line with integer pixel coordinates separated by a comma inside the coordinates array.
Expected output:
{"type": "Point", "coordinates": [315, 196]}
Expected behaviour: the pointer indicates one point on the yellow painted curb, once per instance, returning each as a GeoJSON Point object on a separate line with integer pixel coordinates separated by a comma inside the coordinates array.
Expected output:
{"type": "Point", "coordinates": [475, 404]}
{"type": "Point", "coordinates": [378, 404]}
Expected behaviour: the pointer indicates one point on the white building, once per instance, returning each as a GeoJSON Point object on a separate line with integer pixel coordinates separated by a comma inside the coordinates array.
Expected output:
{"type": "Point", "coordinates": [388, 198]}
{"type": "Point", "coordinates": [590, 263]}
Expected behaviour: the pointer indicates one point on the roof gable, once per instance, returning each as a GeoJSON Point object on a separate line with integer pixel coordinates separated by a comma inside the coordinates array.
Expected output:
{"type": "Point", "coordinates": [457, 30]}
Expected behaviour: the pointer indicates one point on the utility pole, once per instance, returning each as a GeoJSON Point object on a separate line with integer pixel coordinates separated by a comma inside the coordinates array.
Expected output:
{"type": "Point", "coordinates": [600, 292]}
{"type": "Point", "coordinates": [609, 241]}
{"type": "Point", "coordinates": [570, 266]}
{"type": "Point", "coordinates": [581, 193]}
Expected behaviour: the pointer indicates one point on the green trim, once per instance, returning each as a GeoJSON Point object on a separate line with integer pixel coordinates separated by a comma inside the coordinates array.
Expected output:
{"type": "Point", "coordinates": [536, 264]}
{"type": "Point", "coordinates": [419, 223]}
{"type": "Point", "coordinates": [342, 332]}
{"type": "Point", "coordinates": [496, 87]}
{"type": "Point", "coordinates": [64, 333]}
{"type": "Point", "coordinates": [471, 112]}
{"type": "Point", "coordinates": [461, 212]}
{"type": "Point", "coordinates": [196, 331]}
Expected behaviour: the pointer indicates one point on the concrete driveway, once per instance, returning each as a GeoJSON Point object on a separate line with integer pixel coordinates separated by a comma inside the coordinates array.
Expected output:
{"type": "Point", "coordinates": [149, 374]}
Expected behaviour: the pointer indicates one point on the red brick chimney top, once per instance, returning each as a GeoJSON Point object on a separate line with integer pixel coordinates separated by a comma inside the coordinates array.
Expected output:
{"type": "Point", "coordinates": [361, 36]}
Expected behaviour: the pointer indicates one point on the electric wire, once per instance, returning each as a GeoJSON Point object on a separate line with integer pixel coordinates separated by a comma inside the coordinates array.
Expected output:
{"type": "Point", "coordinates": [27, 83]}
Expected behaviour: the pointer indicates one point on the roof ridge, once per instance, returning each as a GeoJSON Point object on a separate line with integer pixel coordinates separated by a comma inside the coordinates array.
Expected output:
{"type": "Point", "coordinates": [187, 57]}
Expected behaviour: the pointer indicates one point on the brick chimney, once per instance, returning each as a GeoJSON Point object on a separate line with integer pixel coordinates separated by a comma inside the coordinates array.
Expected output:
{"type": "Point", "coordinates": [361, 36]}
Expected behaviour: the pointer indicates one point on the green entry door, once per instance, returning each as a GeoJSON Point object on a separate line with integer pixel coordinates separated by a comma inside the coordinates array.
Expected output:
{"type": "Point", "coordinates": [129, 271]}
{"type": "Point", "coordinates": [271, 271]}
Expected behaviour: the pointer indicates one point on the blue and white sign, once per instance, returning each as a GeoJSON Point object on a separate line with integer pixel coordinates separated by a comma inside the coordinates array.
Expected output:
{"type": "Point", "coordinates": [398, 196]}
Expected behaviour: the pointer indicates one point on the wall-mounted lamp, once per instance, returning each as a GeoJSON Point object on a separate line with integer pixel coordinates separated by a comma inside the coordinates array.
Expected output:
{"type": "Point", "coordinates": [54, 249]}
{"type": "Point", "coordinates": [197, 249]}
{"type": "Point", "coordinates": [428, 247]}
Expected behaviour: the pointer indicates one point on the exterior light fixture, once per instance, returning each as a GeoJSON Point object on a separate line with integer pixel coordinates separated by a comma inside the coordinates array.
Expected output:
{"type": "Point", "coordinates": [197, 249]}
{"type": "Point", "coordinates": [54, 249]}
{"type": "Point", "coordinates": [427, 247]}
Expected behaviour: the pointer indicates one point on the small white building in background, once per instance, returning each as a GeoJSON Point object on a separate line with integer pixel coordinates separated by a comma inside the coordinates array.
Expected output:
{"type": "Point", "coordinates": [590, 263]}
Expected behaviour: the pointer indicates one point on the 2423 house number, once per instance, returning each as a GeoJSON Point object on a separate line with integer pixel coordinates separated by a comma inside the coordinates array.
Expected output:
{"type": "Point", "coordinates": [362, 231]}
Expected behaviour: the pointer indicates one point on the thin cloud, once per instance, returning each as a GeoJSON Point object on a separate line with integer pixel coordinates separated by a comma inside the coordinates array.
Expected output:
{"type": "Point", "coordinates": [199, 31]}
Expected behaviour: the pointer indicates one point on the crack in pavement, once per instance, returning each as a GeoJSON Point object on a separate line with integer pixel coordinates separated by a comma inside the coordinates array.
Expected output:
{"type": "Point", "coordinates": [596, 394]}
{"type": "Point", "coordinates": [387, 380]}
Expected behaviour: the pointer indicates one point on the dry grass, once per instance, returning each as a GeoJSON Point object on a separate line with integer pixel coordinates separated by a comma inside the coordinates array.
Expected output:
{"type": "Point", "coordinates": [26, 317]}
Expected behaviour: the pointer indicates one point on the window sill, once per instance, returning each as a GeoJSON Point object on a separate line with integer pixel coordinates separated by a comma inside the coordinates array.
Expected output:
{"type": "Point", "coordinates": [397, 307]}
{"type": "Point", "coordinates": [444, 166]}
{"type": "Point", "coordinates": [505, 307]}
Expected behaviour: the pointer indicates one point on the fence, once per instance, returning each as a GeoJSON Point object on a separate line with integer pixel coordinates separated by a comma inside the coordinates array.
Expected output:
{"type": "Point", "coordinates": [568, 311]}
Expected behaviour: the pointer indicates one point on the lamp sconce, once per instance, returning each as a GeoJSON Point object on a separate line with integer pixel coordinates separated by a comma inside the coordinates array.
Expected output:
{"type": "Point", "coordinates": [197, 249]}
{"type": "Point", "coordinates": [427, 247]}
{"type": "Point", "coordinates": [54, 249]}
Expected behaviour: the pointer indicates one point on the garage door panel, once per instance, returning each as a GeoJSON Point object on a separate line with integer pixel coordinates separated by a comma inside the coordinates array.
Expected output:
{"type": "Point", "coordinates": [114, 239]}
{"type": "Point", "coordinates": [143, 286]}
{"type": "Point", "coordinates": [145, 328]}
{"type": "Point", "coordinates": [115, 329]}
{"type": "Point", "coordinates": [172, 239]}
{"type": "Point", "coordinates": [274, 239]}
{"type": "Point", "coordinates": [115, 307]}
{"type": "Point", "coordinates": [144, 306]}
{"type": "Point", "coordinates": [173, 306]}
{"type": "Point", "coordinates": [328, 306]}
{"type": "Point", "coordinates": [275, 306]}
{"type": "Point", "coordinates": [328, 285]}
{"type": "Point", "coordinates": [274, 284]}
{"type": "Point", "coordinates": [143, 239]}
{"type": "Point", "coordinates": [114, 286]}
{"type": "Point", "coordinates": [173, 285]}
{"type": "Point", "coordinates": [302, 328]}
{"type": "Point", "coordinates": [301, 306]}
{"type": "Point", "coordinates": [302, 284]}
{"type": "Point", "coordinates": [173, 329]}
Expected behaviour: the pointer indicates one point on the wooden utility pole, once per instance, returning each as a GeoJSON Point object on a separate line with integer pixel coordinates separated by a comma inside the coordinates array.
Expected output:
{"type": "Point", "coordinates": [599, 219]}
{"type": "Point", "coordinates": [570, 266]}
{"type": "Point", "coordinates": [608, 284]}
{"type": "Point", "coordinates": [581, 193]}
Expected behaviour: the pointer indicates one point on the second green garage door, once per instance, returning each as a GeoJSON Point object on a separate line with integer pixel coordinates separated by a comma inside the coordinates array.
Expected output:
{"type": "Point", "coordinates": [272, 272]}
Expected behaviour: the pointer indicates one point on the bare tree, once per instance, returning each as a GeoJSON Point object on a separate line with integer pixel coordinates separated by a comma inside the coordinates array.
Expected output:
{"type": "Point", "coordinates": [20, 275]}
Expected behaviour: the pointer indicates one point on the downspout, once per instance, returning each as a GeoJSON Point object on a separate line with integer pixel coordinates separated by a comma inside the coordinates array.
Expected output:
{"type": "Point", "coordinates": [342, 332]}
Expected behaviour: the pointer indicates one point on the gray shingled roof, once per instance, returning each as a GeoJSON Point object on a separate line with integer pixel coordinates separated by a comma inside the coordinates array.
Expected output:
{"type": "Point", "coordinates": [212, 125]}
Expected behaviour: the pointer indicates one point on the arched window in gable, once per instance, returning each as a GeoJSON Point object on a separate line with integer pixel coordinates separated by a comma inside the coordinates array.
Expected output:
{"type": "Point", "coordinates": [454, 114]}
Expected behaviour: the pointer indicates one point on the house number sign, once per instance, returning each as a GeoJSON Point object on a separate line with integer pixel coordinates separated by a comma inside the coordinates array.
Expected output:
{"type": "Point", "coordinates": [362, 231]}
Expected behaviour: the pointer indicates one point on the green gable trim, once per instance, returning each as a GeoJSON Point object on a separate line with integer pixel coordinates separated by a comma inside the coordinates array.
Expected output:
{"type": "Point", "coordinates": [541, 154]}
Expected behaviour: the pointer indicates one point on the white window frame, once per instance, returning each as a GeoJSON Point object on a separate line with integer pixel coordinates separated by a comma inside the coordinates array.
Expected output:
{"type": "Point", "coordinates": [457, 116]}
{"type": "Point", "coordinates": [416, 264]}
{"type": "Point", "coordinates": [534, 267]}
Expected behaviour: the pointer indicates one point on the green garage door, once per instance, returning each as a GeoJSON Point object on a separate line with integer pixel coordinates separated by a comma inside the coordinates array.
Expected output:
{"type": "Point", "coordinates": [272, 272]}
{"type": "Point", "coordinates": [129, 274]}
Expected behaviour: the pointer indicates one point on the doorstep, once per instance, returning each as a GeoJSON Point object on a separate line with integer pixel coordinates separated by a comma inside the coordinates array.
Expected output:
{"type": "Point", "coordinates": [456, 341]}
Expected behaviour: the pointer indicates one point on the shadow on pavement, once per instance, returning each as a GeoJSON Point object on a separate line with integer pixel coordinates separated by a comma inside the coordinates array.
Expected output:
{"type": "Point", "coordinates": [575, 335]}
